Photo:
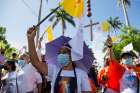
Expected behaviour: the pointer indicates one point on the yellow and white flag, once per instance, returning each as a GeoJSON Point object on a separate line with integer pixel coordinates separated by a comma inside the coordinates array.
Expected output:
{"type": "Point", "coordinates": [49, 33]}
{"type": "Point", "coordinates": [74, 8]}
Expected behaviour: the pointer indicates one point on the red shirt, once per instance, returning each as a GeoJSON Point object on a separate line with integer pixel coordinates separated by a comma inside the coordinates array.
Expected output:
{"type": "Point", "coordinates": [115, 73]}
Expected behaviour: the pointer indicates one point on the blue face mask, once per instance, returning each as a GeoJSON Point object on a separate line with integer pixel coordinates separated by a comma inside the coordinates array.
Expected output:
{"type": "Point", "coordinates": [128, 61]}
{"type": "Point", "coordinates": [63, 59]}
{"type": "Point", "coordinates": [21, 63]}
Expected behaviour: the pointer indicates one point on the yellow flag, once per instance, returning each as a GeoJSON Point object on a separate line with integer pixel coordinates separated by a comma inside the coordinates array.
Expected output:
{"type": "Point", "coordinates": [105, 26]}
{"type": "Point", "coordinates": [49, 33]}
{"type": "Point", "coordinates": [74, 8]}
{"type": "Point", "coordinates": [114, 38]}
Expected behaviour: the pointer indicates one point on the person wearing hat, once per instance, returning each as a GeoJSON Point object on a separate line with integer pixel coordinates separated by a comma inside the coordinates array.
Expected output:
{"type": "Point", "coordinates": [122, 78]}
{"type": "Point", "coordinates": [68, 78]}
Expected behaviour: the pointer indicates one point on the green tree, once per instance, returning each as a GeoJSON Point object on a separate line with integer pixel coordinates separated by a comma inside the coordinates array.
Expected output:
{"type": "Point", "coordinates": [4, 45]}
{"type": "Point", "coordinates": [125, 4]}
{"type": "Point", "coordinates": [61, 16]}
{"type": "Point", "coordinates": [127, 35]}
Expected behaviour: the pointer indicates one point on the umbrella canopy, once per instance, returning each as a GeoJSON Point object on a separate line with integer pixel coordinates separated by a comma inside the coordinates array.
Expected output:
{"type": "Point", "coordinates": [53, 47]}
{"type": "Point", "coordinates": [2, 58]}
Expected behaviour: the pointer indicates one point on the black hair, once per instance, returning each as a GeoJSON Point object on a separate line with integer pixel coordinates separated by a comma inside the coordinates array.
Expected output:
{"type": "Point", "coordinates": [73, 82]}
{"type": "Point", "coordinates": [126, 54]}
{"type": "Point", "coordinates": [14, 55]}
{"type": "Point", "coordinates": [2, 52]}
{"type": "Point", "coordinates": [67, 45]}
{"type": "Point", "coordinates": [12, 64]}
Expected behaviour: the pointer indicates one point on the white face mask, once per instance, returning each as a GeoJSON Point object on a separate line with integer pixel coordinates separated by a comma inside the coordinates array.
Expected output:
{"type": "Point", "coordinates": [127, 61]}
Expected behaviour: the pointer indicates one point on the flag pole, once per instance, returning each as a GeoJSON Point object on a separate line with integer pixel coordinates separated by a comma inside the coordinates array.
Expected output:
{"type": "Point", "coordinates": [47, 16]}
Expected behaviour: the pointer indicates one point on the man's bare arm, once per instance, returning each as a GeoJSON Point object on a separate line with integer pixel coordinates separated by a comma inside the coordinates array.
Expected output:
{"type": "Point", "coordinates": [41, 67]}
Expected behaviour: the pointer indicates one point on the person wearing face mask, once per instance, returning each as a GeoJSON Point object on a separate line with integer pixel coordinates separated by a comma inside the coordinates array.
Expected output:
{"type": "Point", "coordinates": [32, 80]}
{"type": "Point", "coordinates": [68, 78]}
{"type": "Point", "coordinates": [128, 82]}
{"type": "Point", "coordinates": [122, 78]}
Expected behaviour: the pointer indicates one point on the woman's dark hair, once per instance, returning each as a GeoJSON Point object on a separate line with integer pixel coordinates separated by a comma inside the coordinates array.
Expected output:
{"type": "Point", "coordinates": [73, 82]}
{"type": "Point", "coordinates": [12, 64]}
{"type": "Point", "coordinates": [126, 54]}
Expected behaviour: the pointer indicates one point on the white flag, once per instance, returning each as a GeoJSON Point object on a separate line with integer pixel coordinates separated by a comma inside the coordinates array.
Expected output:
{"type": "Point", "coordinates": [77, 44]}
{"type": "Point", "coordinates": [128, 47]}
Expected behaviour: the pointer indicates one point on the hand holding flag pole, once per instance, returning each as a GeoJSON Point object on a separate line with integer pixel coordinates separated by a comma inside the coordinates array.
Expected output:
{"type": "Point", "coordinates": [73, 7]}
{"type": "Point", "coordinates": [35, 26]}
{"type": "Point", "coordinates": [47, 16]}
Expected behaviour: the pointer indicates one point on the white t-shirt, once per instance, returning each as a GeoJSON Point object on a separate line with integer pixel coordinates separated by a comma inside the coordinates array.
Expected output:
{"type": "Point", "coordinates": [82, 78]}
{"type": "Point", "coordinates": [128, 83]}
{"type": "Point", "coordinates": [31, 78]}
{"type": "Point", "coordinates": [11, 85]}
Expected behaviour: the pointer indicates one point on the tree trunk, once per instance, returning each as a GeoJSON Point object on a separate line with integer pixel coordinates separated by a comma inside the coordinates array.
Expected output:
{"type": "Point", "coordinates": [125, 13]}
{"type": "Point", "coordinates": [63, 30]}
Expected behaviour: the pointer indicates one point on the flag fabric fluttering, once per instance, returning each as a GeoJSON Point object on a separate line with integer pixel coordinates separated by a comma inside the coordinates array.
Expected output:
{"type": "Point", "coordinates": [77, 49]}
{"type": "Point", "coordinates": [114, 38]}
{"type": "Point", "coordinates": [128, 48]}
{"type": "Point", "coordinates": [74, 8]}
{"type": "Point", "coordinates": [105, 26]}
{"type": "Point", "coordinates": [49, 33]}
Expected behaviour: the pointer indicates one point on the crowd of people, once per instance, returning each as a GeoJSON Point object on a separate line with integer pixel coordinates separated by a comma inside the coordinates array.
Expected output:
{"type": "Point", "coordinates": [30, 73]}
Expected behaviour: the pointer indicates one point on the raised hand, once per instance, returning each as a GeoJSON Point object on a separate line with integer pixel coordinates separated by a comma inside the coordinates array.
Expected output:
{"type": "Point", "coordinates": [109, 41]}
{"type": "Point", "coordinates": [31, 33]}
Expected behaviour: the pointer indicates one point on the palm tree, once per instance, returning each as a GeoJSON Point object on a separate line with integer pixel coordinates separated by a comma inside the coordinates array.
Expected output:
{"type": "Point", "coordinates": [125, 4]}
{"type": "Point", "coordinates": [63, 17]}
{"type": "Point", "coordinates": [114, 23]}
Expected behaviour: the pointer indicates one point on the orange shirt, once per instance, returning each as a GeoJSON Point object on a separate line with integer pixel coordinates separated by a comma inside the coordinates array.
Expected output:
{"type": "Point", "coordinates": [114, 73]}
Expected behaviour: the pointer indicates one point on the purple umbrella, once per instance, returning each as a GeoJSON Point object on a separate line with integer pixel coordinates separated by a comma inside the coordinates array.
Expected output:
{"type": "Point", "coordinates": [53, 47]}
{"type": "Point", "coordinates": [2, 58]}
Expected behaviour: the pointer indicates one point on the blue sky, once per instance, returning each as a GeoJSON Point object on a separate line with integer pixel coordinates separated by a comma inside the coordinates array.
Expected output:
{"type": "Point", "coordinates": [17, 17]}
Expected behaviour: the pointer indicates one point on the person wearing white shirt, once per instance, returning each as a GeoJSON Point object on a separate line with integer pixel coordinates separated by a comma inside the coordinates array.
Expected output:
{"type": "Point", "coordinates": [12, 78]}
{"type": "Point", "coordinates": [32, 81]}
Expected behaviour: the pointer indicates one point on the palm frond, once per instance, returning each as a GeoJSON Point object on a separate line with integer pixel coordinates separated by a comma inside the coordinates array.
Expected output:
{"type": "Point", "coordinates": [70, 20]}
{"type": "Point", "coordinates": [115, 23]}
{"type": "Point", "coordinates": [55, 22]}
{"type": "Point", "coordinates": [127, 2]}
{"type": "Point", "coordinates": [52, 17]}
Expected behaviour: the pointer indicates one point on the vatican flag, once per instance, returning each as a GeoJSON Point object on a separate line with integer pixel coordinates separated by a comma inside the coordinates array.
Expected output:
{"type": "Point", "coordinates": [74, 8]}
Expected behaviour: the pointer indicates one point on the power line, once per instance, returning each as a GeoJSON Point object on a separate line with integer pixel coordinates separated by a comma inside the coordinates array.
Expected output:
{"type": "Point", "coordinates": [30, 9]}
